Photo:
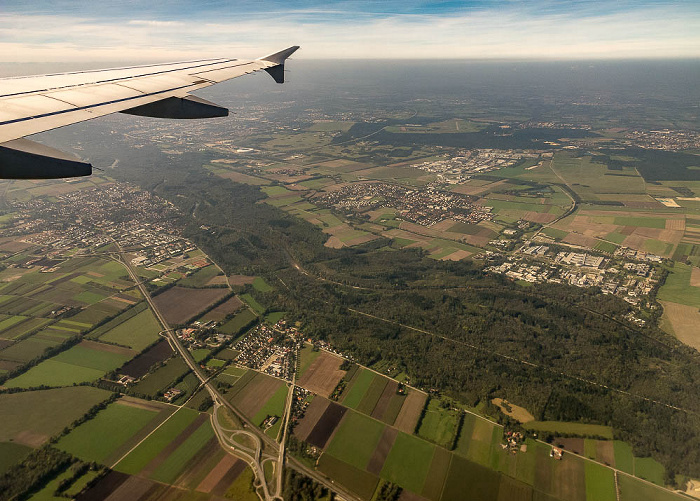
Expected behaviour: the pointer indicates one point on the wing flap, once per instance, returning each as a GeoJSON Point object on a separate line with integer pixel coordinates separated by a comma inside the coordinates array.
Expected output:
{"type": "Point", "coordinates": [87, 95]}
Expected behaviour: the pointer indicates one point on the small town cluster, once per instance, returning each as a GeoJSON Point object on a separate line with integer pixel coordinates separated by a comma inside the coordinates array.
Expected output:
{"type": "Point", "coordinates": [424, 206]}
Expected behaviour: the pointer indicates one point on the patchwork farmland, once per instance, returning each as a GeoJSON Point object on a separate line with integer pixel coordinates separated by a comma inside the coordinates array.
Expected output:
{"type": "Point", "coordinates": [435, 451]}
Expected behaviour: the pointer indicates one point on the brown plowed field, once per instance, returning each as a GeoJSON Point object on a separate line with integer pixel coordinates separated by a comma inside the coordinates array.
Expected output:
{"type": "Point", "coordinates": [134, 488]}
{"type": "Point", "coordinates": [230, 477]}
{"type": "Point", "coordinates": [226, 308]}
{"type": "Point", "coordinates": [410, 411]}
{"type": "Point", "coordinates": [240, 279]}
{"type": "Point", "coordinates": [251, 398]}
{"type": "Point", "coordinates": [104, 487]}
{"type": "Point", "coordinates": [313, 413]}
{"type": "Point", "coordinates": [325, 426]}
{"type": "Point", "coordinates": [217, 473]}
{"type": "Point", "coordinates": [198, 465]}
{"type": "Point", "coordinates": [139, 366]}
{"type": "Point", "coordinates": [384, 399]}
{"type": "Point", "coordinates": [179, 304]}
{"type": "Point", "coordinates": [570, 444]}
{"type": "Point", "coordinates": [376, 462]}
{"type": "Point", "coordinates": [323, 375]}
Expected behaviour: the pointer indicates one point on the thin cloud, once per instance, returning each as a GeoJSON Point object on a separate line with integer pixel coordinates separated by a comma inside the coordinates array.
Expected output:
{"type": "Point", "coordinates": [506, 30]}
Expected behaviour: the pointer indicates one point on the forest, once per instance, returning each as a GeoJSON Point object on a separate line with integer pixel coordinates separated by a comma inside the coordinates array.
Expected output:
{"type": "Point", "coordinates": [550, 349]}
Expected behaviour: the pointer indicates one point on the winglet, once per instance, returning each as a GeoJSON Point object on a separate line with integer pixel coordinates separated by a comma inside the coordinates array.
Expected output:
{"type": "Point", "coordinates": [281, 56]}
{"type": "Point", "coordinates": [277, 71]}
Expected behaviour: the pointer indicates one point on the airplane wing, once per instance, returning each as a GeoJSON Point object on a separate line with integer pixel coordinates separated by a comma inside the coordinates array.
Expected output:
{"type": "Point", "coordinates": [33, 104]}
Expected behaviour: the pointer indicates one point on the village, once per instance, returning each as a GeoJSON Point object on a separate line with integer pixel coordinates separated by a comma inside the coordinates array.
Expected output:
{"type": "Point", "coordinates": [427, 206]}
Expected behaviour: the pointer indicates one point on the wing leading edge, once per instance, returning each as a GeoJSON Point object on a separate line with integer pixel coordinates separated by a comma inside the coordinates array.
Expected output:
{"type": "Point", "coordinates": [29, 105]}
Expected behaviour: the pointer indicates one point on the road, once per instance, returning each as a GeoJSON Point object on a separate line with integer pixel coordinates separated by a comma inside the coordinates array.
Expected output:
{"type": "Point", "coordinates": [253, 457]}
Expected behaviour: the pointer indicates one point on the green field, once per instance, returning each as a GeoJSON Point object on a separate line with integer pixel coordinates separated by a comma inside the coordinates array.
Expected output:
{"type": "Point", "coordinates": [355, 439]}
{"type": "Point", "coordinates": [275, 316]}
{"type": "Point", "coordinates": [439, 424]}
{"type": "Point", "coordinates": [171, 468]}
{"type": "Point", "coordinates": [99, 437]}
{"type": "Point", "coordinates": [11, 454]}
{"type": "Point", "coordinates": [358, 389]}
{"type": "Point", "coordinates": [643, 222]}
{"type": "Point", "coordinates": [156, 442]}
{"type": "Point", "coordinates": [238, 322]}
{"type": "Point", "coordinates": [54, 373]}
{"type": "Point", "coordinates": [306, 356]}
{"type": "Point", "coordinates": [250, 300]}
{"type": "Point", "coordinates": [201, 277]}
{"type": "Point", "coordinates": [38, 415]}
{"type": "Point", "coordinates": [274, 405]}
{"type": "Point", "coordinates": [408, 462]}
{"type": "Point", "coordinates": [82, 355]}
{"type": "Point", "coordinates": [649, 469]}
{"type": "Point", "coordinates": [356, 480]}
{"type": "Point", "coordinates": [677, 288]}
{"type": "Point", "coordinates": [632, 489]}
{"type": "Point", "coordinates": [137, 332]}
{"type": "Point", "coordinates": [162, 377]}
{"type": "Point", "coordinates": [372, 395]}
{"type": "Point", "coordinates": [624, 459]}
{"type": "Point", "coordinates": [581, 429]}
{"type": "Point", "coordinates": [259, 284]}
{"type": "Point", "coordinates": [600, 483]}
{"type": "Point", "coordinates": [30, 348]}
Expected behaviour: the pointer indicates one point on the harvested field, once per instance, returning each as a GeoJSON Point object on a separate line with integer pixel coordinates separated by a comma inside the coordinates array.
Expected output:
{"type": "Point", "coordinates": [456, 256]}
{"type": "Point", "coordinates": [569, 479]}
{"type": "Point", "coordinates": [325, 426]}
{"type": "Point", "coordinates": [386, 442]}
{"type": "Point", "coordinates": [684, 321]}
{"type": "Point", "coordinates": [605, 452]}
{"type": "Point", "coordinates": [253, 397]}
{"type": "Point", "coordinates": [384, 399]}
{"type": "Point", "coordinates": [518, 413]}
{"type": "Point", "coordinates": [323, 375]}
{"type": "Point", "coordinates": [695, 277]}
{"type": "Point", "coordinates": [217, 314]}
{"type": "Point", "coordinates": [139, 366]}
{"type": "Point", "coordinates": [179, 304]}
{"type": "Point", "coordinates": [410, 411]}
{"type": "Point", "coordinates": [312, 415]}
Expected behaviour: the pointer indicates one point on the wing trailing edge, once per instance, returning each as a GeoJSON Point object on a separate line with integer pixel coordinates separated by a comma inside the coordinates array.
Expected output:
{"type": "Point", "coordinates": [25, 159]}
{"type": "Point", "coordinates": [33, 104]}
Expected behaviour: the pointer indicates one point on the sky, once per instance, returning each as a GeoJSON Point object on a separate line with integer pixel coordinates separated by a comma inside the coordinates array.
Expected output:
{"type": "Point", "coordinates": [156, 30]}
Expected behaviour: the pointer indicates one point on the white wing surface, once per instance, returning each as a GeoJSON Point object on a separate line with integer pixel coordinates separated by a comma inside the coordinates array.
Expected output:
{"type": "Point", "coordinates": [33, 104]}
